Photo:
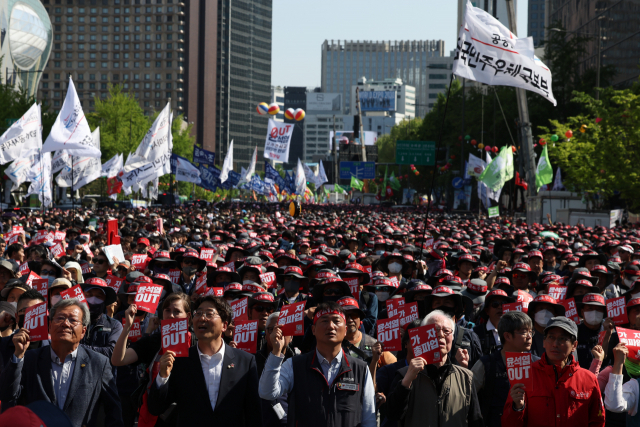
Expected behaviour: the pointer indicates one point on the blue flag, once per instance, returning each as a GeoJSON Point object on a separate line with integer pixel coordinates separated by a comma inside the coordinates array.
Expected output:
{"type": "Point", "coordinates": [270, 173]}
{"type": "Point", "coordinates": [210, 178]}
{"type": "Point", "coordinates": [203, 157]}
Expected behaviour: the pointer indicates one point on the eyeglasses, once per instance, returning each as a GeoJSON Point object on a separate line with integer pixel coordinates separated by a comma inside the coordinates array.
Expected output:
{"type": "Point", "coordinates": [445, 331]}
{"type": "Point", "coordinates": [497, 304]}
{"type": "Point", "coordinates": [525, 334]}
{"type": "Point", "coordinates": [261, 308]}
{"type": "Point", "coordinates": [561, 340]}
{"type": "Point", "coordinates": [190, 261]}
{"type": "Point", "coordinates": [61, 319]}
{"type": "Point", "coordinates": [206, 314]}
{"type": "Point", "coordinates": [47, 273]}
{"type": "Point", "coordinates": [332, 292]}
{"type": "Point", "coordinates": [99, 261]}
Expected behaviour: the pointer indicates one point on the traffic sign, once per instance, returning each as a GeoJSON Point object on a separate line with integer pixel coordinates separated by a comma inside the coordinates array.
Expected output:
{"type": "Point", "coordinates": [361, 170]}
{"type": "Point", "coordinates": [457, 182]}
{"type": "Point", "coordinates": [416, 153]}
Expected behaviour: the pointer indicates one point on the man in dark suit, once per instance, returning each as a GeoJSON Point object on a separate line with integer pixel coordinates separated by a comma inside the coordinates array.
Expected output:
{"type": "Point", "coordinates": [216, 384]}
{"type": "Point", "coordinates": [77, 380]}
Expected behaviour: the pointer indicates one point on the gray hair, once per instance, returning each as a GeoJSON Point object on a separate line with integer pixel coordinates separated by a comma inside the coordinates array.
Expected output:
{"type": "Point", "coordinates": [513, 321]}
{"type": "Point", "coordinates": [430, 318]}
{"type": "Point", "coordinates": [64, 303]}
{"type": "Point", "coordinates": [272, 316]}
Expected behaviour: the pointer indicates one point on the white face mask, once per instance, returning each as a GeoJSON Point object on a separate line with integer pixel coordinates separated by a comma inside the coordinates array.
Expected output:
{"type": "Point", "coordinates": [379, 252]}
{"type": "Point", "coordinates": [542, 317]}
{"type": "Point", "coordinates": [382, 296]}
{"type": "Point", "coordinates": [395, 267]}
{"type": "Point", "coordinates": [248, 282]}
{"type": "Point", "coordinates": [593, 317]}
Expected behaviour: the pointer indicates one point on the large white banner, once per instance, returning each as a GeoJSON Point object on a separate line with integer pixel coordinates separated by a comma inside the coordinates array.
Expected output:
{"type": "Point", "coordinates": [60, 159]}
{"type": "Point", "coordinates": [84, 169]}
{"type": "Point", "coordinates": [23, 138]}
{"type": "Point", "coordinates": [489, 53]}
{"type": "Point", "coordinates": [227, 166]}
{"type": "Point", "coordinates": [71, 130]}
{"type": "Point", "coordinates": [187, 172]}
{"type": "Point", "coordinates": [41, 179]}
{"type": "Point", "coordinates": [19, 170]}
{"type": "Point", "coordinates": [155, 143]}
{"type": "Point", "coordinates": [113, 166]}
{"type": "Point", "coordinates": [276, 146]}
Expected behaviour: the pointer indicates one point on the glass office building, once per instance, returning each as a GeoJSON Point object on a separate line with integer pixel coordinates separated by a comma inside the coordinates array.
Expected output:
{"type": "Point", "coordinates": [344, 62]}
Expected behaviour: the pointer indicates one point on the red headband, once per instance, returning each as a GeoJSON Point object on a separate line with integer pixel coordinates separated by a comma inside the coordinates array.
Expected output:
{"type": "Point", "coordinates": [319, 314]}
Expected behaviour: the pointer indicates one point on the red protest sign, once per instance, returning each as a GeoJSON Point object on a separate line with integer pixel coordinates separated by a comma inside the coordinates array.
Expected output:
{"type": "Point", "coordinates": [135, 333]}
{"type": "Point", "coordinates": [368, 269]}
{"type": "Point", "coordinates": [519, 369]}
{"type": "Point", "coordinates": [617, 310]}
{"type": "Point", "coordinates": [269, 279]}
{"type": "Point", "coordinates": [174, 275]}
{"type": "Point", "coordinates": [201, 283]}
{"type": "Point", "coordinates": [525, 298]}
{"type": "Point", "coordinates": [246, 335]}
{"type": "Point", "coordinates": [601, 337]}
{"type": "Point", "coordinates": [24, 270]}
{"type": "Point", "coordinates": [389, 334]}
{"type": "Point", "coordinates": [230, 265]}
{"type": "Point", "coordinates": [57, 250]}
{"type": "Point", "coordinates": [425, 343]}
{"type": "Point", "coordinates": [631, 339]}
{"type": "Point", "coordinates": [557, 292]}
{"type": "Point", "coordinates": [570, 310]}
{"type": "Point", "coordinates": [394, 280]}
{"type": "Point", "coordinates": [114, 282]}
{"type": "Point", "coordinates": [84, 266]}
{"type": "Point", "coordinates": [216, 292]}
{"type": "Point", "coordinates": [75, 292]}
{"type": "Point", "coordinates": [292, 319]}
{"type": "Point", "coordinates": [175, 336]}
{"type": "Point", "coordinates": [354, 287]}
{"type": "Point", "coordinates": [394, 306]}
{"type": "Point", "coordinates": [207, 254]}
{"type": "Point", "coordinates": [35, 320]}
{"type": "Point", "coordinates": [59, 236]}
{"type": "Point", "coordinates": [13, 239]}
{"type": "Point", "coordinates": [140, 261]}
{"type": "Point", "coordinates": [408, 313]}
{"type": "Point", "coordinates": [18, 229]}
{"type": "Point", "coordinates": [148, 297]}
{"type": "Point", "coordinates": [240, 309]}
{"type": "Point", "coordinates": [42, 286]}
{"type": "Point", "coordinates": [160, 225]}
{"type": "Point", "coordinates": [514, 306]}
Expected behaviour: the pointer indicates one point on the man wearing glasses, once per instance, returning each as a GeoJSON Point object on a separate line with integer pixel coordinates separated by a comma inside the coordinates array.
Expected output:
{"type": "Point", "coordinates": [100, 267]}
{"type": "Point", "coordinates": [215, 383]}
{"type": "Point", "coordinates": [66, 374]}
{"type": "Point", "coordinates": [260, 306]}
{"type": "Point", "coordinates": [563, 393]}
{"type": "Point", "coordinates": [419, 386]}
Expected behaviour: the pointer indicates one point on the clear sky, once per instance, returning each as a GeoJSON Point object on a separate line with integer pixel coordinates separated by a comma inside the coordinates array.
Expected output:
{"type": "Point", "coordinates": [300, 27]}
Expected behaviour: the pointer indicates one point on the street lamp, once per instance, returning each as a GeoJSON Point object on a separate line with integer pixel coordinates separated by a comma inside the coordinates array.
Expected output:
{"type": "Point", "coordinates": [600, 39]}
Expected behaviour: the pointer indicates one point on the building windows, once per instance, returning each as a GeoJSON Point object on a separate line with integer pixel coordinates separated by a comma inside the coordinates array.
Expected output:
{"type": "Point", "coordinates": [437, 86]}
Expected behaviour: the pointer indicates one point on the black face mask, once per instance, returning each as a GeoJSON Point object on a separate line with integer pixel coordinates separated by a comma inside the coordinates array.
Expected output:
{"type": "Point", "coordinates": [96, 311]}
{"type": "Point", "coordinates": [158, 270]}
{"type": "Point", "coordinates": [449, 311]}
{"type": "Point", "coordinates": [334, 298]}
{"type": "Point", "coordinates": [291, 286]}
{"type": "Point", "coordinates": [422, 309]}
{"type": "Point", "coordinates": [188, 270]}
{"type": "Point", "coordinates": [21, 321]}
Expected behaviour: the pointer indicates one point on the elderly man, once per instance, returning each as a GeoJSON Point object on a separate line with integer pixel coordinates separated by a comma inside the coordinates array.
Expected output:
{"type": "Point", "coordinates": [419, 386]}
{"type": "Point", "coordinates": [77, 380]}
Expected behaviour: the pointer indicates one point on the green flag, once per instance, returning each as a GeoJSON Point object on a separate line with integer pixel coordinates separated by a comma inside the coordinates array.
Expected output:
{"type": "Point", "coordinates": [544, 172]}
{"type": "Point", "coordinates": [339, 189]}
{"type": "Point", "coordinates": [326, 191]}
{"type": "Point", "coordinates": [395, 183]}
{"type": "Point", "coordinates": [494, 211]}
{"type": "Point", "coordinates": [355, 183]}
{"type": "Point", "coordinates": [499, 171]}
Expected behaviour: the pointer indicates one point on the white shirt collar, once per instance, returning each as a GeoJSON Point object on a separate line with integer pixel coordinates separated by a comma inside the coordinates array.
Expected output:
{"type": "Point", "coordinates": [56, 359]}
{"type": "Point", "coordinates": [321, 358]}
{"type": "Point", "coordinates": [219, 354]}
{"type": "Point", "coordinates": [490, 326]}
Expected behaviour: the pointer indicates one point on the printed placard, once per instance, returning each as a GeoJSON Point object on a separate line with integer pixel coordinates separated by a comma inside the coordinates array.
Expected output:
{"type": "Point", "coordinates": [525, 298]}
{"type": "Point", "coordinates": [557, 292]}
{"type": "Point", "coordinates": [201, 282]}
{"type": "Point", "coordinates": [57, 250]}
{"type": "Point", "coordinates": [631, 339]}
{"type": "Point", "coordinates": [617, 310]}
{"type": "Point", "coordinates": [174, 275]}
{"type": "Point", "coordinates": [240, 309]}
{"type": "Point", "coordinates": [394, 280]}
{"type": "Point", "coordinates": [514, 306]}
{"type": "Point", "coordinates": [140, 261]}
{"type": "Point", "coordinates": [570, 310]}
{"type": "Point", "coordinates": [269, 279]}
{"type": "Point", "coordinates": [207, 254]}
{"type": "Point", "coordinates": [87, 249]}
{"type": "Point", "coordinates": [368, 270]}
{"type": "Point", "coordinates": [24, 270]}
{"type": "Point", "coordinates": [519, 369]}
{"type": "Point", "coordinates": [216, 292]}
{"type": "Point", "coordinates": [601, 337]}
{"type": "Point", "coordinates": [292, 319]}
{"type": "Point", "coordinates": [59, 236]}
{"type": "Point", "coordinates": [17, 229]}
{"type": "Point", "coordinates": [35, 321]}
{"type": "Point", "coordinates": [175, 336]}
{"type": "Point", "coordinates": [408, 313]}
{"type": "Point", "coordinates": [389, 334]}
{"type": "Point", "coordinates": [74, 292]}
{"type": "Point", "coordinates": [13, 239]}
{"type": "Point", "coordinates": [425, 343]}
{"type": "Point", "coordinates": [246, 335]}
{"type": "Point", "coordinates": [42, 286]}
{"type": "Point", "coordinates": [148, 297]}
{"type": "Point", "coordinates": [231, 265]}
{"type": "Point", "coordinates": [85, 268]}
{"type": "Point", "coordinates": [394, 305]}
{"type": "Point", "coordinates": [135, 333]}
{"type": "Point", "coordinates": [114, 282]}
{"type": "Point", "coordinates": [354, 287]}
{"type": "Point", "coordinates": [160, 226]}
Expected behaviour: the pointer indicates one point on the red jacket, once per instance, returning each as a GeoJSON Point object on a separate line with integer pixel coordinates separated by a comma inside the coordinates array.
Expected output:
{"type": "Point", "coordinates": [573, 399]}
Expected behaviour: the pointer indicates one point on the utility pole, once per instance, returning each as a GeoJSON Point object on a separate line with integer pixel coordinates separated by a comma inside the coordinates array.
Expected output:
{"type": "Point", "coordinates": [336, 176]}
{"type": "Point", "coordinates": [523, 113]}
{"type": "Point", "coordinates": [364, 150]}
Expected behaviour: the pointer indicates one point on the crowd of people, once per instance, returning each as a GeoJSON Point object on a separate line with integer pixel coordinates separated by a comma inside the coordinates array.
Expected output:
{"type": "Point", "coordinates": [103, 362]}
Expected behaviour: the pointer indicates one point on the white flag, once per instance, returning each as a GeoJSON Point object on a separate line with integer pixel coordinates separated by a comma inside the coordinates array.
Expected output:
{"type": "Point", "coordinates": [19, 170]}
{"type": "Point", "coordinates": [252, 167]}
{"type": "Point", "coordinates": [113, 166]}
{"type": "Point", "coordinates": [557, 182]}
{"type": "Point", "coordinates": [322, 175]}
{"type": "Point", "coordinates": [71, 130]}
{"type": "Point", "coordinates": [227, 166]}
{"type": "Point", "coordinates": [276, 145]}
{"type": "Point", "coordinates": [155, 143]}
{"type": "Point", "coordinates": [489, 53]}
{"type": "Point", "coordinates": [310, 176]}
{"type": "Point", "coordinates": [60, 159]}
{"type": "Point", "coordinates": [153, 189]}
{"type": "Point", "coordinates": [41, 183]}
{"type": "Point", "coordinates": [186, 172]}
{"type": "Point", "coordinates": [301, 183]}
{"type": "Point", "coordinates": [84, 169]}
{"type": "Point", "coordinates": [23, 138]}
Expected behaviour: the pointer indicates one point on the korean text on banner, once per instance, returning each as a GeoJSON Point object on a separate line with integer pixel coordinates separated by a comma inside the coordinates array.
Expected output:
{"type": "Point", "coordinates": [35, 321]}
{"type": "Point", "coordinates": [389, 334]}
{"type": "Point", "coordinates": [114, 282]}
{"type": "Point", "coordinates": [519, 369]}
{"type": "Point", "coordinates": [74, 292]}
{"type": "Point", "coordinates": [140, 261]}
{"type": "Point", "coordinates": [408, 313]}
{"type": "Point", "coordinates": [617, 310]}
{"type": "Point", "coordinates": [213, 291]}
{"type": "Point", "coordinates": [292, 319]}
{"type": "Point", "coordinates": [246, 335]}
{"type": "Point", "coordinates": [514, 306]}
{"type": "Point", "coordinates": [631, 339]}
{"type": "Point", "coordinates": [354, 287]}
{"type": "Point", "coordinates": [175, 336]}
{"type": "Point", "coordinates": [240, 309]}
{"type": "Point", "coordinates": [394, 306]}
{"type": "Point", "coordinates": [269, 279]}
{"type": "Point", "coordinates": [525, 298]}
{"type": "Point", "coordinates": [42, 286]}
{"type": "Point", "coordinates": [135, 333]}
{"type": "Point", "coordinates": [148, 297]}
{"type": "Point", "coordinates": [557, 292]}
{"type": "Point", "coordinates": [570, 310]}
{"type": "Point", "coordinates": [276, 145]}
{"type": "Point", "coordinates": [424, 343]}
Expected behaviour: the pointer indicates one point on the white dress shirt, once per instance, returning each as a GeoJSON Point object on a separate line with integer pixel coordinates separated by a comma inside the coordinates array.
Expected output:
{"type": "Point", "coordinates": [494, 331]}
{"type": "Point", "coordinates": [212, 370]}
{"type": "Point", "coordinates": [619, 397]}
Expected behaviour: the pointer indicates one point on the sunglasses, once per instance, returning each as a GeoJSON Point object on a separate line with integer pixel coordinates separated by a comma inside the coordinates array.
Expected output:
{"type": "Point", "coordinates": [47, 272]}
{"type": "Point", "coordinates": [261, 308]}
{"type": "Point", "coordinates": [497, 304]}
{"type": "Point", "coordinates": [99, 261]}
{"type": "Point", "coordinates": [190, 261]}
{"type": "Point", "coordinates": [332, 292]}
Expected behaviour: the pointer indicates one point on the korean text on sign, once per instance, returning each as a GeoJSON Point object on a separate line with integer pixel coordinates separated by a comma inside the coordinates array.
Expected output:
{"type": "Point", "coordinates": [240, 309]}
{"type": "Point", "coordinates": [292, 319]}
{"type": "Point", "coordinates": [389, 334]}
{"type": "Point", "coordinates": [75, 292]}
{"type": "Point", "coordinates": [519, 369]}
{"type": "Point", "coordinates": [148, 297]}
{"type": "Point", "coordinates": [424, 343]}
{"type": "Point", "coordinates": [175, 336]}
{"type": "Point", "coordinates": [246, 335]}
{"type": "Point", "coordinates": [35, 320]}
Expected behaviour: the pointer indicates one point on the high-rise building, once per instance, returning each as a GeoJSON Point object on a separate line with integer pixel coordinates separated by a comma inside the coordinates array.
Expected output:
{"type": "Point", "coordinates": [277, 97]}
{"type": "Point", "coordinates": [343, 63]}
{"type": "Point", "coordinates": [295, 97]}
{"type": "Point", "coordinates": [213, 59]}
{"type": "Point", "coordinates": [536, 21]}
{"type": "Point", "coordinates": [614, 24]}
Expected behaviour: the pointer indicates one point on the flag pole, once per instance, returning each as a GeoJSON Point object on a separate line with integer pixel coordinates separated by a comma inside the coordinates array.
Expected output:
{"type": "Point", "coordinates": [433, 178]}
